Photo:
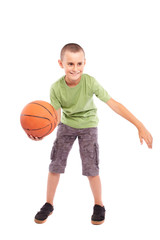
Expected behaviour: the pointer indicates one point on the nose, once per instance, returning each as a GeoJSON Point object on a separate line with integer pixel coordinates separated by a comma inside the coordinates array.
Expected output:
{"type": "Point", "coordinates": [75, 68]}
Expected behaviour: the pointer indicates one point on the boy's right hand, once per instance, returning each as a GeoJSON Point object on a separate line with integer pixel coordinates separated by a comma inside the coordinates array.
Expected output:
{"type": "Point", "coordinates": [34, 138]}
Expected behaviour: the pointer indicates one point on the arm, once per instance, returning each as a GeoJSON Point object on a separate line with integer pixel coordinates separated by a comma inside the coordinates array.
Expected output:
{"type": "Point", "coordinates": [122, 111]}
{"type": "Point", "coordinates": [59, 115]}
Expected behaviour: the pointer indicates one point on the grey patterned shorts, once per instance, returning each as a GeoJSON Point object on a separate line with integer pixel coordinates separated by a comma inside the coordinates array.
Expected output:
{"type": "Point", "coordinates": [88, 146]}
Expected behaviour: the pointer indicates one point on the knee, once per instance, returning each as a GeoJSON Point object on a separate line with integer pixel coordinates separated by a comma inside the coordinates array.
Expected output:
{"type": "Point", "coordinates": [92, 177]}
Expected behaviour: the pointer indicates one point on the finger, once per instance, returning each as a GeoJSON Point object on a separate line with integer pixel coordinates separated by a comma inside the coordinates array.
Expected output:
{"type": "Point", "coordinates": [141, 139]}
{"type": "Point", "coordinates": [38, 138]}
{"type": "Point", "coordinates": [150, 145]}
{"type": "Point", "coordinates": [150, 142]}
{"type": "Point", "coordinates": [30, 136]}
{"type": "Point", "coordinates": [34, 137]}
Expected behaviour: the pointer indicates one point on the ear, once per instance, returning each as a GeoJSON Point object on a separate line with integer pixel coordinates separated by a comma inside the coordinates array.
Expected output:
{"type": "Point", "coordinates": [60, 63]}
{"type": "Point", "coordinates": [84, 62]}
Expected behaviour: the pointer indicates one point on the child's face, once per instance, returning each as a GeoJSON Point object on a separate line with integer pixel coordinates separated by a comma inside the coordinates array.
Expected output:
{"type": "Point", "coordinates": [73, 64]}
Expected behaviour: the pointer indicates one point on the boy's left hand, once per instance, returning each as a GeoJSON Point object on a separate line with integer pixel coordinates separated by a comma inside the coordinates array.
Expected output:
{"type": "Point", "coordinates": [146, 136]}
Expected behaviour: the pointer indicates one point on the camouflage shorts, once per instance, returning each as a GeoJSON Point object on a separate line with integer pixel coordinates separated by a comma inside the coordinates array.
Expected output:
{"type": "Point", "coordinates": [88, 146]}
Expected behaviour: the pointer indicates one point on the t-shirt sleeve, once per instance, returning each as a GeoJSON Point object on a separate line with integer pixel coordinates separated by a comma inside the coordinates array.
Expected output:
{"type": "Point", "coordinates": [99, 91]}
{"type": "Point", "coordinates": [54, 100]}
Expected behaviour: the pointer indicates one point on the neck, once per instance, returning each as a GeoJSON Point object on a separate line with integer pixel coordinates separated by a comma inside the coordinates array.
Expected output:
{"type": "Point", "coordinates": [71, 83]}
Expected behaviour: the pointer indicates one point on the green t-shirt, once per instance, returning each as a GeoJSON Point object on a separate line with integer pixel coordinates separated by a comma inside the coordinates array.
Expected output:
{"type": "Point", "coordinates": [79, 110]}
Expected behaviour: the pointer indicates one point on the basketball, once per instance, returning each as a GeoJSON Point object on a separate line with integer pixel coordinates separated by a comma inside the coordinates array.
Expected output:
{"type": "Point", "coordinates": [38, 118]}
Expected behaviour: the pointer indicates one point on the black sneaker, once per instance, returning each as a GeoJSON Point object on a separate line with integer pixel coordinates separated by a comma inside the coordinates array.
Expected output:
{"type": "Point", "coordinates": [98, 215]}
{"type": "Point", "coordinates": [44, 212]}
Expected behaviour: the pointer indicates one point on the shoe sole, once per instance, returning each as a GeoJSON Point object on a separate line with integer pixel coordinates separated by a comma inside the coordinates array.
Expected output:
{"type": "Point", "coordinates": [97, 222]}
{"type": "Point", "coordinates": [43, 221]}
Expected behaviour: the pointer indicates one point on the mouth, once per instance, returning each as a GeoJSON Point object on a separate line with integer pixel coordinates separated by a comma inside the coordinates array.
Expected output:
{"type": "Point", "coordinates": [74, 73]}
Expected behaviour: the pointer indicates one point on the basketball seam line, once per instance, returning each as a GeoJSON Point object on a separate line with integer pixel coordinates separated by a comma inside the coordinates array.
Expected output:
{"type": "Point", "coordinates": [42, 106]}
{"type": "Point", "coordinates": [28, 115]}
{"type": "Point", "coordinates": [36, 129]}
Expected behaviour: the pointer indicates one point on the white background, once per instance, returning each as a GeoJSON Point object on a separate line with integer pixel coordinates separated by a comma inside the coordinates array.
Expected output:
{"type": "Point", "coordinates": [121, 40]}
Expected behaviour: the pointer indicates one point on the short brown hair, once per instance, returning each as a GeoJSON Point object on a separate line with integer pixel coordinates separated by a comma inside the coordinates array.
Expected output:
{"type": "Point", "coordinates": [72, 47]}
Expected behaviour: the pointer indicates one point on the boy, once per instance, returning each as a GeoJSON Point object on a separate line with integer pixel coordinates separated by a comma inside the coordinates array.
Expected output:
{"type": "Point", "coordinates": [74, 94]}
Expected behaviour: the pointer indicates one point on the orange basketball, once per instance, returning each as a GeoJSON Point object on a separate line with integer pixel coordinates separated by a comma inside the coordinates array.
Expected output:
{"type": "Point", "coordinates": [38, 118]}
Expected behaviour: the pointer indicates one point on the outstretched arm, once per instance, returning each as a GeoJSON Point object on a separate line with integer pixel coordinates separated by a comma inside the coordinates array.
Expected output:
{"type": "Point", "coordinates": [122, 111]}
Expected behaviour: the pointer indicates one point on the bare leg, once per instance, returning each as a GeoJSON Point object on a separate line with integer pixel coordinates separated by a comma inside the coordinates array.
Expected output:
{"type": "Point", "coordinates": [95, 184]}
{"type": "Point", "coordinates": [53, 179]}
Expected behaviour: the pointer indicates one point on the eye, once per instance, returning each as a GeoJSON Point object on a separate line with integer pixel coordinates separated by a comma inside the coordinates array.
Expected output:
{"type": "Point", "coordinates": [80, 63]}
{"type": "Point", "coordinates": [70, 64]}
